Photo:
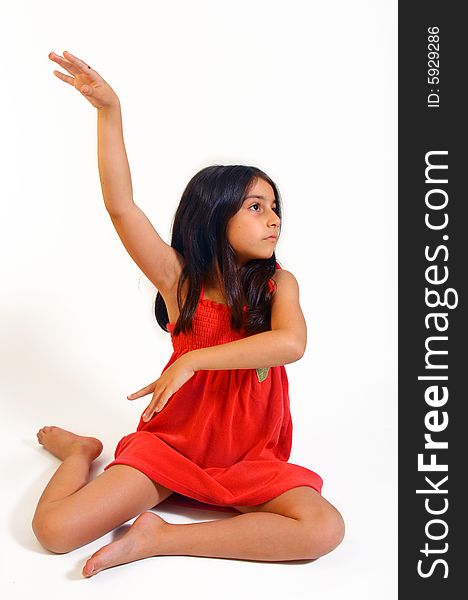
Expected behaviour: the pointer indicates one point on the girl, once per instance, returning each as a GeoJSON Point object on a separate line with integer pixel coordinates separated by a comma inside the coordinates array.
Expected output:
{"type": "Point", "coordinates": [218, 427]}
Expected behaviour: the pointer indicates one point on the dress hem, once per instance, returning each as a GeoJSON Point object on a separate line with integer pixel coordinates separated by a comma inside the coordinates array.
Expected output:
{"type": "Point", "coordinates": [180, 488]}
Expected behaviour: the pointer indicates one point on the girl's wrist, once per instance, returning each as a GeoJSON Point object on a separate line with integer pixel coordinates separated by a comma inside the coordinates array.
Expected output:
{"type": "Point", "coordinates": [114, 106]}
{"type": "Point", "coordinates": [189, 360]}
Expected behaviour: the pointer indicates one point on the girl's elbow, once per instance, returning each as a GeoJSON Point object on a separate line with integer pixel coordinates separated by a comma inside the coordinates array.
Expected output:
{"type": "Point", "coordinates": [301, 344]}
{"type": "Point", "coordinates": [296, 349]}
{"type": "Point", "coordinates": [300, 350]}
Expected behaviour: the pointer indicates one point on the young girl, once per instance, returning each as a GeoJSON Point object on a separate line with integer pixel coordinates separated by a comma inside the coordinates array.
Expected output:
{"type": "Point", "coordinates": [218, 427]}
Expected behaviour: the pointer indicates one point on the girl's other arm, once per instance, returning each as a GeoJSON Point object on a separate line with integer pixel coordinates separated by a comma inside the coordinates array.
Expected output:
{"type": "Point", "coordinates": [285, 343]}
{"type": "Point", "coordinates": [159, 261]}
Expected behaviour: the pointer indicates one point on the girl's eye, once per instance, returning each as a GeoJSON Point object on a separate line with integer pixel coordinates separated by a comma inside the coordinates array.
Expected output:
{"type": "Point", "coordinates": [257, 204]}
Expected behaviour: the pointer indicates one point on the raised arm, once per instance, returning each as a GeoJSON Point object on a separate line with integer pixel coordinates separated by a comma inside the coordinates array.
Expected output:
{"type": "Point", "coordinates": [159, 261]}
{"type": "Point", "coordinates": [285, 343]}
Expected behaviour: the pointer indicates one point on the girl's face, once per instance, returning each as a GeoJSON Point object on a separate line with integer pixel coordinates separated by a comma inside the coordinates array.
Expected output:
{"type": "Point", "coordinates": [249, 230]}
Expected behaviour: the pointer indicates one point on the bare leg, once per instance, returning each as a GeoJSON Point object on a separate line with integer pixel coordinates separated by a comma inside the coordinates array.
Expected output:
{"type": "Point", "coordinates": [72, 512]}
{"type": "Point", "coordinates": [77, 453]}
{"type": "Point", "coordinates": [308, 527]}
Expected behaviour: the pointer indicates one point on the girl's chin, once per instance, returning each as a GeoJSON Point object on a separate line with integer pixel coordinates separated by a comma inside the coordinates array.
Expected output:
{"type": "Point", "coordinates": [241, 261]}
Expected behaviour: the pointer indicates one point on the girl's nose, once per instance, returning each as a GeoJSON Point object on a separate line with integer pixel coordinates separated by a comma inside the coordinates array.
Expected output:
{"type": "Point", "coordinates": [274, 220]}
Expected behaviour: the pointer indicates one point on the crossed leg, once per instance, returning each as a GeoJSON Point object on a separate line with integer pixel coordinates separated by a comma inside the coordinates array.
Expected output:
{"type": "Point", "coordinates": [298, 524]}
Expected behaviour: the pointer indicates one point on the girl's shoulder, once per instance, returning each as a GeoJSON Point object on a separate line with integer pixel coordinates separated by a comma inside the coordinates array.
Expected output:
{"type": "Point", "coordinates": [284, 279]}
{"type": "Point", "coordinates": [280, 273]}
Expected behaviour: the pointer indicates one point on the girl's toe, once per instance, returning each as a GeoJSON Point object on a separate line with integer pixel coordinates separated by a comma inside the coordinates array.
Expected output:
{"type": "Point", "coordinates": [88, 569]}
{"type": "Point", "coordinates": [91, 568]}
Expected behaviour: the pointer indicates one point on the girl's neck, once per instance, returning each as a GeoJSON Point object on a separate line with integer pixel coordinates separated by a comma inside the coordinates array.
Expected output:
{"type": "Point", "coordinates": [215, 279]}
{"type": "Point", "coordinates": [215, 284]}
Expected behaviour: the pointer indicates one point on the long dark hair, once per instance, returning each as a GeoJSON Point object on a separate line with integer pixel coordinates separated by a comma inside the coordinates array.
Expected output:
{"type": "Point", "coordinates": [211, 198]}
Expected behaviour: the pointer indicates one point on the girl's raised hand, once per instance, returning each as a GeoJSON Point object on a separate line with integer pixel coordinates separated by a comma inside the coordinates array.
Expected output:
{"type": "Point", "coordinates": [86, 80]}
{"type": "Point", "coordinates": [163, 388]}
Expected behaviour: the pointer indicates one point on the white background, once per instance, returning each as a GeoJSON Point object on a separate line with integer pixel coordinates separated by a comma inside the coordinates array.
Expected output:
{"type": "Point", "coordinates": [306, 90]}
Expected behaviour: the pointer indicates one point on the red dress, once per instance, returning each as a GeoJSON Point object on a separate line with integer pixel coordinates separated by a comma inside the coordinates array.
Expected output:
{"type": "Point", "coordinates": [224, 437]}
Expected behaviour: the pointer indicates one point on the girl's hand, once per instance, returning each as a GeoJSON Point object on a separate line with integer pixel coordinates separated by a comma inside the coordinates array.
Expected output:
{"type": "Point", "coordinates": [163, 388]}
{"type": "Point", "coordinates": [86, 80]}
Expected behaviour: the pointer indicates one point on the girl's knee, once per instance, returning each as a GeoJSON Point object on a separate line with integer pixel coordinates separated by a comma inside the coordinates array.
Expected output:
{"type": "Point", "coordinates": [52, 532]}
{"type": "Point", "coordinates": [334, 530]}
{"type": "Point", "coordinates": [325, 531]}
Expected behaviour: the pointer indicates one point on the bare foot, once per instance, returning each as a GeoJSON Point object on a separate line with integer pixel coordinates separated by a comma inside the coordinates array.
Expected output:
{"type": "Point", "coordinates": [140, 541]}
{"type": "Point", "coordinates": [62, 443]}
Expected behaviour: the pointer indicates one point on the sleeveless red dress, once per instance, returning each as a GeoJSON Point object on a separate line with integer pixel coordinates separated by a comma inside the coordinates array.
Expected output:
{"type": "Point", "coordinates": [224, 437]}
